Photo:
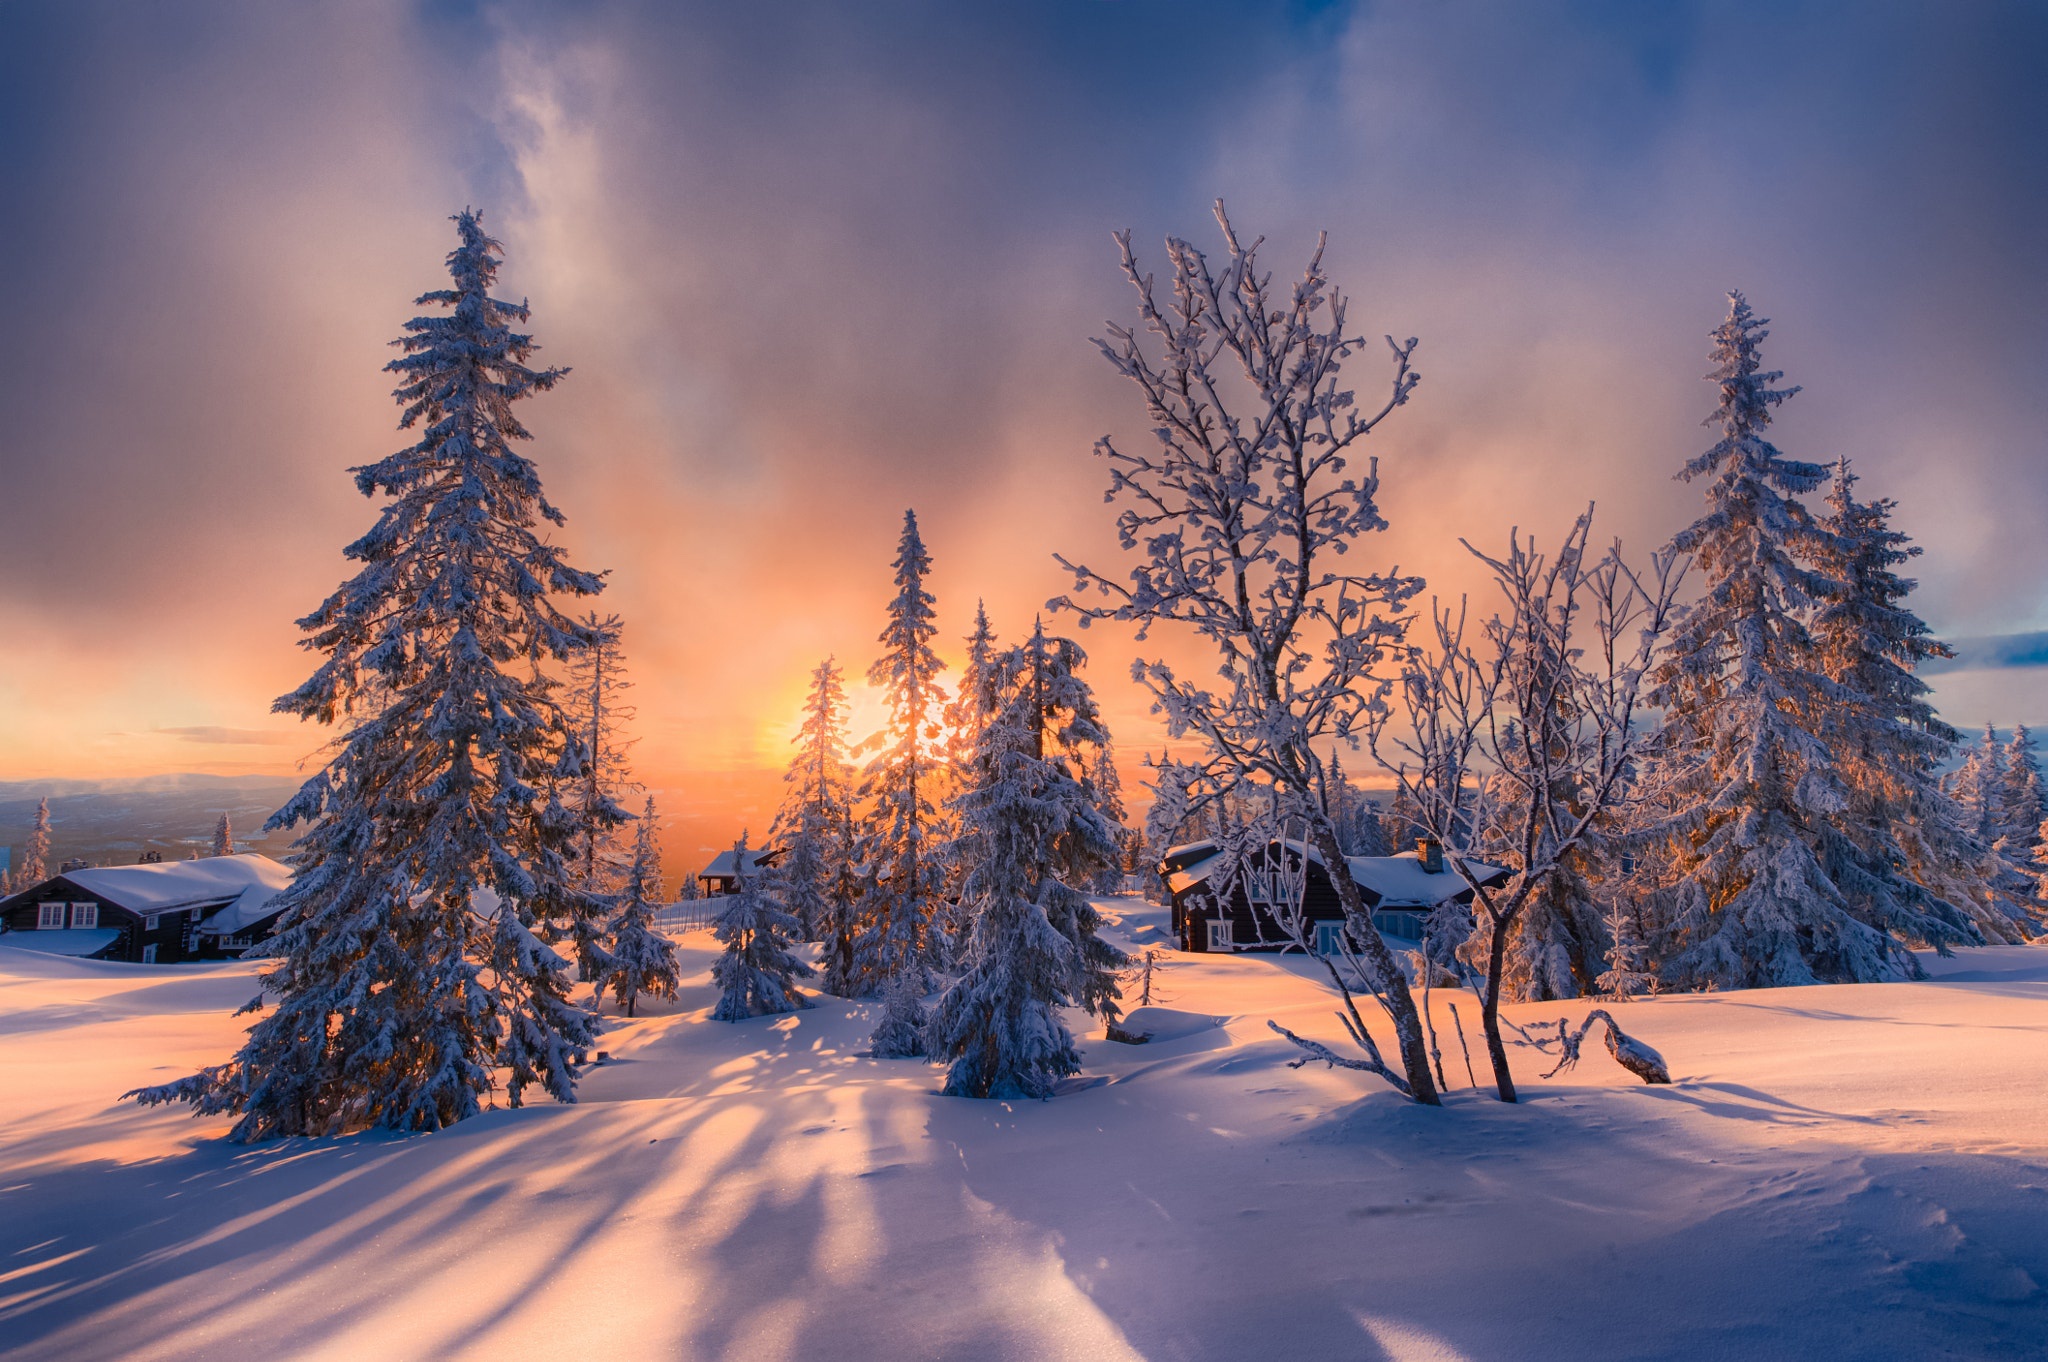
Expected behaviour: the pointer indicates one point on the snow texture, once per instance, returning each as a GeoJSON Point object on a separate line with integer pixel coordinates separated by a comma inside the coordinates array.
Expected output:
{"type": "Point", "coordinates": [1847, 1172]}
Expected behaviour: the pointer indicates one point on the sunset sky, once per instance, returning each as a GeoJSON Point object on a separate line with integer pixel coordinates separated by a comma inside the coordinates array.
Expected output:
{"type": "Point", "coordinates": [813, 264]}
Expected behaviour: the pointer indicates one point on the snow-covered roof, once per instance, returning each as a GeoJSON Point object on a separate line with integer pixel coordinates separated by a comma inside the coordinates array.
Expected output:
{"type": "Point", "coordinates": [721, 867]}
{"type": "Point", "coordinates": [232, 893]}
{"type": "Point", "coordinates": [1397, 881]}
{"type": "Point", "coordinates": [78, 941]}
{"type": "Point", "coordinates": [1401, 882]}
{"type": "Point", "coordinates": [246, 880]}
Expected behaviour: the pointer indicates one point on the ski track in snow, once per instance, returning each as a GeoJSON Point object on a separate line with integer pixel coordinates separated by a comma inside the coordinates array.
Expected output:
{"type": "Point", "coordinates": [1854, 1171]}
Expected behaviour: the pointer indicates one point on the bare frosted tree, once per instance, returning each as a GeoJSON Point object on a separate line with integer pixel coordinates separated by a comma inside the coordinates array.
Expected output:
{"type": "Point", "coordinates": [1241, 508]}
{"type": "Point", "coordinates": [1547, 704]}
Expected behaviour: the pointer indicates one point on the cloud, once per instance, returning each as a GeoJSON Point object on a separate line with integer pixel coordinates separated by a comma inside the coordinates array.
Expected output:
{"type": "Point", "coordinates": [1997, 653]}
{"type": "Point", "coordinates": [233, 737]}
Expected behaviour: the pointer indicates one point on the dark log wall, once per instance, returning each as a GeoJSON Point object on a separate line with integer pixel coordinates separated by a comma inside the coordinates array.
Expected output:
{"type": "Point", "coordinates": [170, 937]}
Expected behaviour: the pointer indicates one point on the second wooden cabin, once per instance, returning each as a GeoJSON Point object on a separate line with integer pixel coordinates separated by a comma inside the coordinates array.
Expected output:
{"type": "Point", "coordinates": [1401, 891]}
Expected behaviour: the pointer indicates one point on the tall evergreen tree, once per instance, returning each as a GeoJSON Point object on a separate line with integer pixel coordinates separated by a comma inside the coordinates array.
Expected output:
{"type": "Point", "coordinates": [407, 968]}
{"type": "Point", "coordinates": [597, 784]}
{"type": "Point", "coordinates": [1752, 904]}
{"type": "Point", "coordinates": [809, 827]}
{"type": "Point", "coordinates": [900, 841]}
{"type": "Point", "coordinates": [1895, 847]}
{"type": "Point", "coordinates": [639, 959]}
{"type": "Point", "coordinates": [223, 837]}
{"type": "Point", "coordinates": [35, 859]}
{"type": "Point", "coordinates": [757, 975]}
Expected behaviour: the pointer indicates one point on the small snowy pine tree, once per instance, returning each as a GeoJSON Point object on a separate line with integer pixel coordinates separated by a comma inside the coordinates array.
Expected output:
{"type": "Point", "coordinates": [757, 975]}
{"type": "Point", "coordinates": [808, 826]}
{"type": "Point", "coordinates": [1627, 973]}
{"type": "Point", "coordinates": [1978, 784]}
{"type": "Point", "coordinates": [638, 959]}
{"type": "Point", "coordinates": [223, 838]}
{"type": "Point", "coordinates": [2020, 808]}
{"type": "Point", "coordinates": [35, 860]}
{"type": "Point", "coordinates": [1035, 836]}
{"type": "Point", "coordinates": [900, 1034]}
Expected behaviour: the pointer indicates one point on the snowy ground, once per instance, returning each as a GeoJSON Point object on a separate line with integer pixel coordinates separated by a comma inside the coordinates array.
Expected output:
{"type": "Point", "coordinates": [1843, 1172]}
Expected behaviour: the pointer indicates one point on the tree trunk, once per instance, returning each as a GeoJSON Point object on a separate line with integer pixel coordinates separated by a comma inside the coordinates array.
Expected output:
{"type": "Point", "coordinates": [1380, 961]}
{"type": "Point", "coordinates": [1489, 1014]}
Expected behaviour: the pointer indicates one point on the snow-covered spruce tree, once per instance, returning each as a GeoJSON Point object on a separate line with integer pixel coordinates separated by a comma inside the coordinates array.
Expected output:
{"type": "Point", "coordinates": [902, 835]}
{"type": "Point", "coordinates": [1546, 704]}
{"type": "Point", "coordinates": [223, 838]}
{"type": "Point", "coordinates": [407, 968]}
{"type": "Point", "coordinates": [1043, 694]}
{"type": "Point", "coordinates": [1751, 781]}
{"type": "Point", "coordinates": [638, 959]}
{"type": "Point", "coordinates": [1030, 825]}
{"type": "Point", "coordinates": [1097, 772]}
{"type": "Point", "coordinates": [35, 857]}
{"type": "Point", "coordinates": [1241, 505]}
{"type": "Point", "coordinates": [2020, 807]}
{"type": "Point", "coordinates": [1977, 785]}
{"type": "Point", "coordinates": [596, 787]}
{"type": "Point", "coordinates": [757, 975]}
{"type": "Point", "coordinates": [1896, 848]}
{"type": "Point", "coordinates": [975, 700]}
{"type": "Point", "coordinates": [809, 825]}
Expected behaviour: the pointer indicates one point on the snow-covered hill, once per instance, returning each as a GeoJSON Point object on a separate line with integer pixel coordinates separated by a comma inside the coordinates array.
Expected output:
{"type": "Point", "coordinates": [1845, 1172]}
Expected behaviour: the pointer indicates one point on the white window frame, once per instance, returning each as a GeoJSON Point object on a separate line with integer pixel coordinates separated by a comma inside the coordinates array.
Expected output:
{"type": "Point", "coordinates": [149, 954]}
{"type": "Point", "coordinates": [1329, 937]}
{"type": "Point", "coordinates": [85, 916]}
{"type": "Point", "coordinates": [152, 921]}
{"type": "Point", "coordinates": [50, 916]}
{"type": "Point", "coordinates": [1222, 933]}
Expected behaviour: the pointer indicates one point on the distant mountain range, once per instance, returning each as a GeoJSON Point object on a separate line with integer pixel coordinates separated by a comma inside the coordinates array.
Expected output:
{"type": "Point", "coordinates": [112, 822]}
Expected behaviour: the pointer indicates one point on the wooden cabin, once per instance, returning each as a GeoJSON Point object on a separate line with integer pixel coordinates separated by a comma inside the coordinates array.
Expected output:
{"type": "Point", "coordinates": [148, 914]}
{"type": "Point", "coordinates": [1399, 890]}
{"type": "Point", "coordinates": [722, 875]}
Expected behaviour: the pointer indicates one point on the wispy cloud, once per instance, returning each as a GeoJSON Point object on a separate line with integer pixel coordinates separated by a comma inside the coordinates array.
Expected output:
{"type": "Point", "coordinates": [230, 737]}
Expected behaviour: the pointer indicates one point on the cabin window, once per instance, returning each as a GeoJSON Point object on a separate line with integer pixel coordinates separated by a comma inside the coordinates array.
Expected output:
{"type": "Point", "coordinates": [50, 917]}
{"type": "Point", "coordinates": [1220, 935]}
{"type": "Point", "coordinates": [151, 922]}
{"type": "Point", "coordinates": [1329, 938]}
{"type": "Point", "coordinates": [85, 915]}
{"type": "Point", "coordinates": [149, 954]}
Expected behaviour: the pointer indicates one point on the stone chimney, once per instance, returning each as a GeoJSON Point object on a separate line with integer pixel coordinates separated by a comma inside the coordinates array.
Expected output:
{"type": "Point", "coordinates": [1431, 853]}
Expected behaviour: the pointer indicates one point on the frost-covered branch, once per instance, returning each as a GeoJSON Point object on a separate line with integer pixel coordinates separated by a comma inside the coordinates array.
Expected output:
{"type": "Point", "coordinates": [1638, 1058]}
{"type": "Point", "coordinates": [1519, 746]}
